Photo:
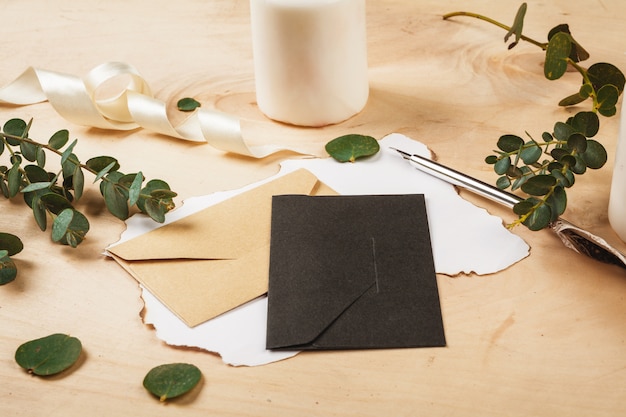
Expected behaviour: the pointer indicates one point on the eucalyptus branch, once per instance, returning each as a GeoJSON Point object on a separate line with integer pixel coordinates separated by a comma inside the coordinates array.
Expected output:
{"type": "Point", "coordinates": [52, 195]}
{"type": "Point", "coordinates": [518, 163]}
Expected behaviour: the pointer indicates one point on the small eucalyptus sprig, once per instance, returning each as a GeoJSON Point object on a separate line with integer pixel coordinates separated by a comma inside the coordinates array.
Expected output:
{"type": "Point", "coordinates": [544, 168]}
{"type": "Point", "coordinates": [53, 194]}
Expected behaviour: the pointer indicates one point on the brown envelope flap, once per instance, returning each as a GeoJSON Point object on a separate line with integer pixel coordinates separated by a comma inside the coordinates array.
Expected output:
{"type": "Point", "coordinates": [226, 230]}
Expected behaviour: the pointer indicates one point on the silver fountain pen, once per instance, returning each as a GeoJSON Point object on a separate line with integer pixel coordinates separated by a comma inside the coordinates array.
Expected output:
{"type": "Point", "coordinates": [572, 236]}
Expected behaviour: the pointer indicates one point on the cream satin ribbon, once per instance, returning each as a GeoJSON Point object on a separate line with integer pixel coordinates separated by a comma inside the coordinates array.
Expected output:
{"type": "Point", "coordinates": [77, 100]}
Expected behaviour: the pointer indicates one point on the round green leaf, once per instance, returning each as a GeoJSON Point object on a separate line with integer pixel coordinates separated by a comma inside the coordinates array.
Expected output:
{"type": "Point", "coordinates": [187, 104]}
{"type": "Point", "coordinates": [503, 182]}
{"type": "Point", "coordinates": [577, 143]}
{"type": "Point", "coordinates": [15, 127]}
{"type": "Point", "coordinates": [510, 143]}
{"type": "Point", "coordinates": [172, 380]}
{"type": "Point", "coordinates": [348, 148]}
{"type": "Point", "coordinates": [99, 163]}
{"type": "Point", "coordinates": [608, 96]}
{"type": "Point", "coordinates": [49, 355]}
{"type": "Point", "coordinates": [54, 202]}
{"type": "Point", "coordinates": [602, 74]}
{"type": "Point", "coordinates": [59, 139]}
{"type": "Point", "coordinates": [539, 185]}
{"type": "Point", "coordinates": [502, 166]}
{"type": "Point", "coordinates": [11, 243]}
{"type": "Point", "coordinates": [586, 122]}
{"type": "Point", "coordinates": [531, 153]}
{"type": "Point", "coordinates": [8, 270]}
{"type": "Point", "coordinates": [595, 155]}
{"type": "Point", "coordinates": [116, 200]}
{"type": "Point", "coordinates": [70, 227]}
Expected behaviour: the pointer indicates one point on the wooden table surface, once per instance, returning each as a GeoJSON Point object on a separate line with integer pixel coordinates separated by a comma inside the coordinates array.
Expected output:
{"type": "Point", "coordinates": [546, 337]}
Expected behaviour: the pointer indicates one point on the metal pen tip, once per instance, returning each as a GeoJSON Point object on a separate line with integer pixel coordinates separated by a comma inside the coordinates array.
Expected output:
{"type": "Point", "coordinates": [405, 155]}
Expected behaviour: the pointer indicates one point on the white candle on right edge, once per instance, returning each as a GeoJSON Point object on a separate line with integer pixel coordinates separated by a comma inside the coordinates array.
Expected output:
{"type": "Point", "coordinates": [310, 59]}
{"type": "Point", "coordinates": [617, 200]}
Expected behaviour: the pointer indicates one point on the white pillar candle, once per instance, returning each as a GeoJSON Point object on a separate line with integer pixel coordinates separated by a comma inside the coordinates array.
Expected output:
{"type": "Point", "coordinates": [310, 59]}
{"type": "Point", "coordinates": [617, 200]}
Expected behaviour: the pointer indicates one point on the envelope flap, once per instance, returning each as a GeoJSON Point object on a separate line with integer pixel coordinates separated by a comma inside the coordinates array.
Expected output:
{"type": "Point", "coordinates": [226, 230]}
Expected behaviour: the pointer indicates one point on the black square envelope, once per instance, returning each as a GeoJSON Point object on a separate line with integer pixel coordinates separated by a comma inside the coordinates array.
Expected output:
{"type": "Point", "coordinates": [352, 272]}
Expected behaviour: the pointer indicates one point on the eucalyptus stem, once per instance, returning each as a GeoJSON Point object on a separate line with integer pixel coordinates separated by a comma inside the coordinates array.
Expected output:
{"type": "Point", "coordinates": [542, 45]}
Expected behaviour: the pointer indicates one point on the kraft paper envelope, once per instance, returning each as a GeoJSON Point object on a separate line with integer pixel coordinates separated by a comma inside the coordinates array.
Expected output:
{"type": "Point", "coordinates": [216, 259]}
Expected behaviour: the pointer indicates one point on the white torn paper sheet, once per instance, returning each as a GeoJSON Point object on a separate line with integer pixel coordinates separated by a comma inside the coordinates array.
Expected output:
{"type": "Point", "coordinates": [465, 239]}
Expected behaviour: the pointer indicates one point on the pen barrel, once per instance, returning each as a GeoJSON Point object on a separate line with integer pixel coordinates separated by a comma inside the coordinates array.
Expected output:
{"type": "Point", "coordinates": [464, 181]}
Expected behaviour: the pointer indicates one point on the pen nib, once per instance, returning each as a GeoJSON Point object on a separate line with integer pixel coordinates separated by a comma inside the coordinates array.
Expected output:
{"type": "Point", "coordinates": [405, 155]}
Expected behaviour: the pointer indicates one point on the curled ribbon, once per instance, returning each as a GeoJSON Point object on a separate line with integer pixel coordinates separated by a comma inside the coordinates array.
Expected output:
{"type": "Point", "coordinates": [79, 101]}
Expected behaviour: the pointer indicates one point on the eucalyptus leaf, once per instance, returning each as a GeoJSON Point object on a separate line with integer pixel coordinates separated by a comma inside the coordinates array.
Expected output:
{"type": "Point", "coordinates": [187, 104]}
{"type": "Point", "coordinates": [135, 189]}
{"type": "Point", "coordinates": [15, 127]}
{"type": "Point", "coordinates": [531, 153]}
{"type": "Point", "coordinates": [517, 26]}
{"type": "Point", "coordinates": [155, 210]}
{"type": "Point", "coordinates": [172, 380]}
{"type": "Point", "coordinates": [502, 166]}
{"type": "Point", "coordinates": [70, 227]}
{"type": "Point", "coordinates": [116, 200]}
{"type": "Point", "coordinates": [8, 270]}
{"type": "Point", "coordinates": [35, 186]}
{"type": "Point", "coordinates": [99, 163]}
{"type": "Point", "coordinates": [151, 186]}
{"type": "Point", "coordinates": [49, 355]}
{"type": "Point", "coordinates": [586, 122]}
{"type": "Point", "coordinates": [59, 139]}
{"type": "Point", "coordinates": [349, 148]}
{"type": "Point", "coordinates": [10, 243]}
{"type": "Point", "coordinates": [510, 143]}
{"type": "Point", "coordinates": [559, 48]}
{"type": "Point", "coordinates": [608, 95]}
{"type": "Point", "coordinates": [68, 151]}
{"type": "Point", "coordinates": [539, 218]}
{"type": "Point", "coordinates": [14, 180]}
{"type": "Point", "coordinates": [78, 182]}
{"type": "Point", "coordinates": [595, 155]}
{"type": "Point", "coordinates": [539, 185]}
{"type": "Point", "coordinates": [29, 151]}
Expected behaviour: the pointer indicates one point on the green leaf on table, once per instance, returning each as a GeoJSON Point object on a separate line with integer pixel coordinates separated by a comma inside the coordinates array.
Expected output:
{"type": "Point", "coordinates": [586, 122]}
{"type": "Point", "coordinates": [59, 139]}
{"type": "Point", "coordinates": [49, 355]}
{"type": "Point", "coordinates": [602, 74]}
{"type": "Point", "coordinates": [187, 104]}
{"type": "Point", "coordinates": [510, 143]}
{"type": "Point", "coordinates": [349, 148]}
{"type": "Point", "coordinates": [172, 380]}
{"type": "Point", "coordinates": [154, 186]}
